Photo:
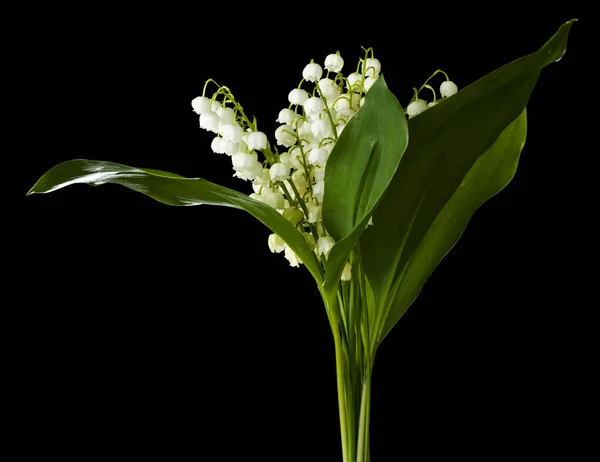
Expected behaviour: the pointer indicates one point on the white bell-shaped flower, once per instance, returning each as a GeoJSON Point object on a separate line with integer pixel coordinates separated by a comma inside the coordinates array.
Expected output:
{"type": "Point", "coordinates": [328, 89]}
{"type": "Point", "coordinates": [347, 273]}
{"type": "Point", "coordinates": [285, 136]}
{"type": "Point", "coordinates": [264, 179]}
{"type": "Point", "coordinates": [217, 145]}
{"type": "Point", "coordinates": [448, 88]}
{"type": "Point", "coordinates": [416, 107]}
{"type": "Point", "coordinates": [291, 257]}
{"type": "Point", "coordinates": [201, 105]}
{"type": "Point", "coordinates": [256, 140]}
{"type": "Point", "coordinates": [276, 244]}
{"type": "Point", "coordinates": [243, 160]}
{"type": "Point", "coordinates": [287, 116]}
{"type": "Point", "coordinates": [313, 105]}
{"type": "Point", "coordinates": [231, 132]}
{"type": "Point", "coordinates": [312, 72]}
{"type": "Point", "coordinates": [344, 114]}
{"type": "Point", "coordinates": [226, 115]}
{"type": "Point", "coordinates": [229, 147]}
{"type": "Point", "coordinates": [298, 96]}
{"type": "Point", "coordinates": [369, 81]}
{"type": "Point", "coordinates": [347, 101]}
{"type": "Point", "coordinates": [279, 172]}
{"type": "Point", "coordinates": [334, 63]}
{"type": "Point", "coordinates": [324, 245]}
{"type": "Point", "coordinates": [371, 67]}
{"type": "Point", "coordinates": [317, 174]}
{"type": "Point", "coordinates": [321, 129]}
{"type": "Point", "coordinates": [431, 104]}
{"type": "Point", "coordinates": [305, 131]}
{"type": "Point", "coordinates": [354, 82]}
{"type": "Point", "coordinates": [209, 121]}
{"type": "Point", "coordinates": [318, 157]}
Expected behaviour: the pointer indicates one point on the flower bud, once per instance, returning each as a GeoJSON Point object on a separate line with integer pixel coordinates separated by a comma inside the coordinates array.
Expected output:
{"type": "Point", "coordinates": [310, 240]}
{"type": "Point", "coordinates": [299, 179]}
{"type": "Point", "coordinates": [273, 199]}
{"type": "Point", "coordinates": [324, 245]}
{"type": "Point", "coordinates": [279, 172]}
{"type": "Point", "coordinates": [433, 103]}
{"type": "Point", "coordinates": [448, 88]}
{"type": "Point", "coordinates": [347, 273]}
{"type": "Point", "coordinates": [276, 244]}
{"type": "Point", "coordinates": [334, 63]}
{"type": "Point", "coordinates": [416, 107]}
{"type": "Point", "coordinates": [312, 72]}
{"type": "Point", "coordinates": [293, 214]}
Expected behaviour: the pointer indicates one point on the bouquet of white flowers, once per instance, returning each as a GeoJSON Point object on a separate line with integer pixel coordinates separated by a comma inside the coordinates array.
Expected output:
{"type": "Point", "coordinates": [369, 196]}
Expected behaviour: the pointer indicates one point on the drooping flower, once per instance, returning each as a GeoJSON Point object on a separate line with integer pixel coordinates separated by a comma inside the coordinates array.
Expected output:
{"type": "Point", "coordinates": [334, 63]}
{"type": "Point", "coordinates": [416, 107]}
{"type": "Point", "coordinates": [276, 244]}
{"type": "Point", "coordinates": [256, 140]}
{"type": "Point", "coordinates": [285, 136]}
{"type": "Point", "coordinates": [312, 72]}
{"type": "Point", "coordinates": [279, 172]}
{"type": "Point", "coordinates": [448, 88]}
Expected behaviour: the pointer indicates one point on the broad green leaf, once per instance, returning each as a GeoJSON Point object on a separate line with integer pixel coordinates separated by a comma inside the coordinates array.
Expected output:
{"type": "Point", "coordinates": [173, 189]}
{"type": "Point", "coordinates": [359, 170]}
{"type": "Point", "coordinates": [488, 176]}
{"type": "Point", "coordinates": [445, 142]}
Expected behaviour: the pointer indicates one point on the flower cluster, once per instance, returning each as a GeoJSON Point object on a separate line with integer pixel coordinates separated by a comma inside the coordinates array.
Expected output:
{"type": "Point", "coordinates": [290, 175]}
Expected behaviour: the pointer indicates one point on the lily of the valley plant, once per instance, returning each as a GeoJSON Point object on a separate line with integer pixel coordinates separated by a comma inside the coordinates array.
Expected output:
{"type": "Point", "coordinates": [367, 195]}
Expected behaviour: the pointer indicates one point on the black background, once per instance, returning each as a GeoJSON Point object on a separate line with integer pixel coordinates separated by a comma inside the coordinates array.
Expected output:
{"type": "Point", "coordinates": [174, 333]}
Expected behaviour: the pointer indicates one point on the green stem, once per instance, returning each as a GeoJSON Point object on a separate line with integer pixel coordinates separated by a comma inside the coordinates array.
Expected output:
{"type": "Point", "coordinates": [339, 368]}
{"type": "Point", "coordinates": [362, 451]}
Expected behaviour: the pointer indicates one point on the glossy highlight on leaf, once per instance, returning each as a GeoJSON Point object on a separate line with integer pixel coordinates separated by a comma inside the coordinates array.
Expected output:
{"type": "Point", "coordinates": [173, 189]}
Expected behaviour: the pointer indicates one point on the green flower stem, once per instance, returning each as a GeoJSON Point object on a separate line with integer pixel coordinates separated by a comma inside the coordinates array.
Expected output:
{"type": "Point", "coordinates": [362, 454]}
{"type": "Point", "coordinates": [354, 359]}
{"type": "Point", "coordinates": [339, 368]}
